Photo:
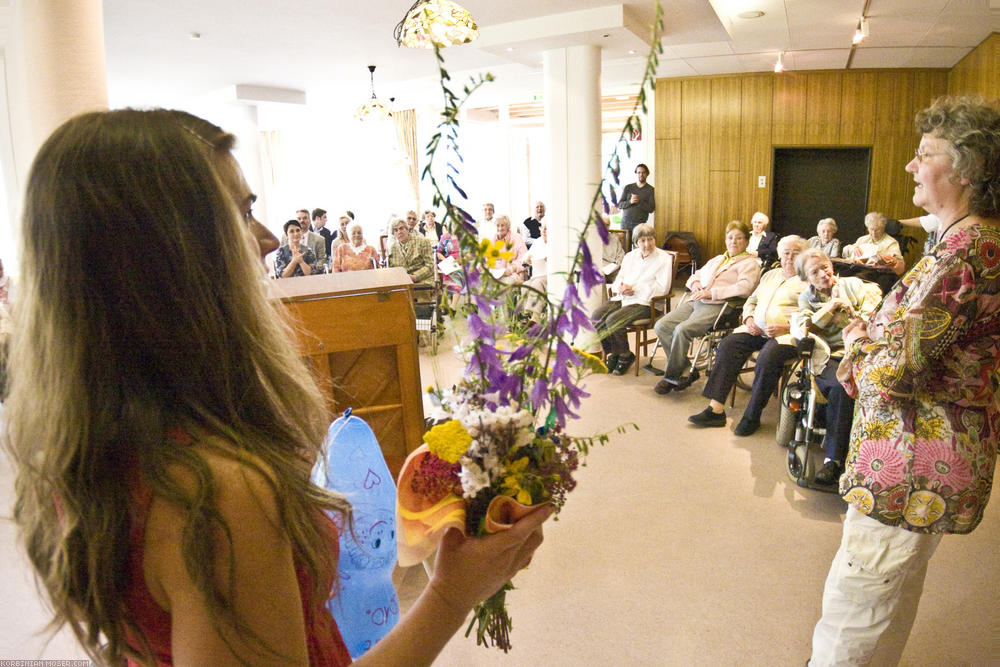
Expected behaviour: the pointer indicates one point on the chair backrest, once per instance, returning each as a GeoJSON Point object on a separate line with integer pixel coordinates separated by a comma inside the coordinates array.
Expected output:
{"type": "Point", "coordinates": [623, 237]}
{"type": "Point", "coordinates": [382, 240]}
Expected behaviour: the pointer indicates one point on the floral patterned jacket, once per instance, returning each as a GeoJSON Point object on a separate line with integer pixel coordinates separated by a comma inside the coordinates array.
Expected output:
{"type": "Point", "coordinates": [924, 441]}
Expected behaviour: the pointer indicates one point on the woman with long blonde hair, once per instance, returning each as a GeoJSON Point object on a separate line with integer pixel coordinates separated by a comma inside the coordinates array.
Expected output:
{"type": "Point", "coordinates": [163, 427]}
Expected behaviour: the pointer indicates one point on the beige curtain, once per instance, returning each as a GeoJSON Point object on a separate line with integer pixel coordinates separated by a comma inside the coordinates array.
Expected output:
{"type": "Point", "coordinates": [270, 149]}
{"type": "Point", "coordinates": [406, 135]}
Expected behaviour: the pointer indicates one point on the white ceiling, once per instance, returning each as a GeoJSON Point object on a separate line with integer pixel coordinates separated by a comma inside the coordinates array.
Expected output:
{"type": "Point", "coordinates": [323, 47]}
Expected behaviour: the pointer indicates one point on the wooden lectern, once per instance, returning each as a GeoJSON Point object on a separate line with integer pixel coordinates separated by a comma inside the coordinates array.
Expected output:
{"type": "Point", "coordinates": [358, 332]}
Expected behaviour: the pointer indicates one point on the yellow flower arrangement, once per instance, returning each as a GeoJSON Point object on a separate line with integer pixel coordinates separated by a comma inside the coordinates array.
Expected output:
{"type": "Point", "coordinates": [591, 362]}
{"type": "Point", "coordinates": [448, 441]}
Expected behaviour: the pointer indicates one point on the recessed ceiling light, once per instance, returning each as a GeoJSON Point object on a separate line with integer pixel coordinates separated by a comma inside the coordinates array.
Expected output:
{"type": "Point", "coordinates": [756, 14]}
{"type": "Point", "coordinates": [510, 48]}
{"type": "Point", "coordinates": [631, 52]}
{"type": "Point", "coordinates": [195, 35]}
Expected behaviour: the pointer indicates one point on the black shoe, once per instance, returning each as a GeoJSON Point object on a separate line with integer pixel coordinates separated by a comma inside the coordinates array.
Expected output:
{"type": "Point", "coordinates": [624, 363]}
{"type": "Point", "coordinates": [611, 361]}
{"type": "Point", "coordinates": [708, 418]}
{"type": "Point", "coordinates": [664, 386]}
{"type": "Point", "coordinates": [747, 426]}
{"type": "Point", "coordinates": [829, 474]}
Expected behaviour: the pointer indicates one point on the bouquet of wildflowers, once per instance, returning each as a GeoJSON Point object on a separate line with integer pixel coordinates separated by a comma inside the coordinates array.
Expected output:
{"type": "Point", "coordinates": [500, 445]}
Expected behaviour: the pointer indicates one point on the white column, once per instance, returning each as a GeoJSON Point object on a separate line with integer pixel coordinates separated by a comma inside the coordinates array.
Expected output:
{"type": "Point", "coordinates": [573, 124]}
{"type": "Point", "coordinates": [55, 69]}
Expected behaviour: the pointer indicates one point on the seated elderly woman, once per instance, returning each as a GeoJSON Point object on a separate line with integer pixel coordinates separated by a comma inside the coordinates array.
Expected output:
{"type": "Point", "coordinates": [766, 315]}
{"type": "Point", "coordinates": [876, 247]}
{"type": "Point", "coordinates": [294, 258]}
{"type": "Point", "coordinates": [413, 253]}
{"type": "Point", "coordinates": [826, 231]}
{"type": "Point", "coordinates": [514, 270]}
{"type": "Point", "coordinates": [356, 255]}
{"type": "Point", "coordinates": [646, 274]}
{"type": "Point", "coordinates": [762, 244]}
{"type": "Point", "coordinates": [731, 275]}
{"type": "Point", "coordinates": [826, 306]}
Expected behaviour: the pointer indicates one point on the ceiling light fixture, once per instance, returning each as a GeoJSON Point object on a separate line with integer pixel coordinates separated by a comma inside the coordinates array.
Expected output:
{"type": "Point", "coordinates": [779, 66]}
{"type": "Point", "coordinates": [440, 23]}
{"type": "Point", "coordinates": [373, 109]}
{"type": "Point", "coordinates": [756, 14]}
{"type": "Point", "coordinates": [861, 32]}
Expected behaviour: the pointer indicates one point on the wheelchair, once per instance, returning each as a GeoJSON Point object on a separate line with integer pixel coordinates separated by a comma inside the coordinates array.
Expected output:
{"type": "Point", "coordinates": [802, 424]}
{"type": "Point", "coordinates": [703, 355]}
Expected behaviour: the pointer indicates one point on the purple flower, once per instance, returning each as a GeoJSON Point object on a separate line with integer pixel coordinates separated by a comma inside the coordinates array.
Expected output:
{"type": "Point", "coordinates": [565, 357]}
{"type": "Point", "coordinates": [540, 393]}
{"type": "Point", "coordinates": [602, 229]}
{"type": "Point", "coordinates": [574, 394]}
{"type": "Point", "coordinates": [521, 353]}
{"type": "Point", "coordinates": [590, 276]}
{"type": "Point", "coordinates": [562, 410]}
{"type": "Point", "coordinates": [478, 328]}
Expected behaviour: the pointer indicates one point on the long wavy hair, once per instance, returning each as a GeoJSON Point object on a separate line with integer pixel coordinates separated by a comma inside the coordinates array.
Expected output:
{"type": "Point", "coordinates": [143, 310]}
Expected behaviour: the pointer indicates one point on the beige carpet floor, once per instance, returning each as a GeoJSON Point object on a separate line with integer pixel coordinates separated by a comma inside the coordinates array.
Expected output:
{"type": "Point", "coordinates": [680, 546]}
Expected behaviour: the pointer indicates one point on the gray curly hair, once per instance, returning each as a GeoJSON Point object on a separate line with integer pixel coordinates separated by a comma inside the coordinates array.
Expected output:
{"type": "Point", "coordinates": [971, 128]}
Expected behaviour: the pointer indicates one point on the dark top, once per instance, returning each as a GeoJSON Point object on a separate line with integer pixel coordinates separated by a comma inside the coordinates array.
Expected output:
{"type": "Point", "coordinates": [327, 238]}
{"type": "Point", "coordinates": [638, 213]}
{"type": "Point", "coordinates": [534, 227]}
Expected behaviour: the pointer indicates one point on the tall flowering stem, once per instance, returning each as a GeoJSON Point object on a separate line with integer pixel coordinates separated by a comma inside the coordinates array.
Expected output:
{"type": "Point", "coordinates": [500, 443]}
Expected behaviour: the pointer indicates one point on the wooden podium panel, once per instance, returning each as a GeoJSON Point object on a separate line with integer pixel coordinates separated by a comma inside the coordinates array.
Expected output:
{"type": "Point", "coordinates": [358, 332]}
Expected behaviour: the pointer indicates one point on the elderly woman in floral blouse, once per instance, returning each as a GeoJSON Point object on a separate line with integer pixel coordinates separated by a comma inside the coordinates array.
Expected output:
{"type": "Point", "coordinates": [514, 269]}
{"type": "Point", "coordinates": [924, 372]}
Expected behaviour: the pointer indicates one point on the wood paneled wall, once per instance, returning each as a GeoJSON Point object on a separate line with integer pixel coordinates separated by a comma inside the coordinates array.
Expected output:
{"type": "Point", "coordinates": [979, 72]}
{"type": "Point", "coordinates": [715, 136]}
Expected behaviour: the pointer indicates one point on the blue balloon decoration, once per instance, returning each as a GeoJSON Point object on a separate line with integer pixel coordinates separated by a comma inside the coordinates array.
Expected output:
{"type": "Point", "coordinates": [366, 606]}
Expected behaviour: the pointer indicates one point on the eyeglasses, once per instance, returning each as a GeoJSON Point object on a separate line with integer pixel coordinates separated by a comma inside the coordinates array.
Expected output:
{"type": "Point", "coordinates": [921, 155]}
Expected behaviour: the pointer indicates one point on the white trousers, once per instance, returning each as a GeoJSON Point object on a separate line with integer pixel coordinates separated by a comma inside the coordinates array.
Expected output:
{"type": "Point", "coordinates": [871, 593]}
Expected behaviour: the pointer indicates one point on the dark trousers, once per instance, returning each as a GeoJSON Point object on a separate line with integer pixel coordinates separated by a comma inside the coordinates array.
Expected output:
{"type": "Point", "coordinates": [610, 320]}
{"type": "Point", "coordinates": [839, 413]}
{"type": "Point", "coordinates": [733, 352]}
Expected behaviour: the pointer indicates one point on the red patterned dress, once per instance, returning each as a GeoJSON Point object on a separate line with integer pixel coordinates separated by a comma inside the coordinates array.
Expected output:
{"type": "Point", "coordinates": [924, 441]}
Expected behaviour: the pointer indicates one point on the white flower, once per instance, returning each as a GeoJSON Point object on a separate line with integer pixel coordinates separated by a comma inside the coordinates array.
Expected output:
{"type": "Point", "coordinates": [472, 477]}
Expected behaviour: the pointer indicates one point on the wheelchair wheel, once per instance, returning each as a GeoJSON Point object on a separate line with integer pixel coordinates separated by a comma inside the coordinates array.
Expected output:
{"type": "Point", "coordinates": [741, 378]}
{"type": "Point", "coordinates": [801, 466]}
{"type": "Point", "coordinates": [786, 426]}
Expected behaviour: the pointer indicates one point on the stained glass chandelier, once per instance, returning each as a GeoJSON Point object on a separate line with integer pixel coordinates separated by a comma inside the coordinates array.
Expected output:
{"type": "Point", "coordinates": [374, 108]}
{"type": "Point", "coordinates": [435, 22]}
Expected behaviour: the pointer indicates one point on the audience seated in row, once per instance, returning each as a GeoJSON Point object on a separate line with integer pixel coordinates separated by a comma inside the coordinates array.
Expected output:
{"type": "Point", "coordinates": [646, 274]}
{"type": "Point", "coordinates": [413, 253]}
{"type": "Point", "coordinates": [828, 305]}
{"type": "Point", "coordinates": [767, 315]}
{"type": "Point", "coordinates": [294, 257]}
{"type": "Point", "coordinates": [731, 275]}
{"type": "Point", "coordinates": [825, 239]}
{"type": "Point", "coordinates": [514, 270]}
{"type": "Point", "coordinates": [762, 244]}
{"type": "Point", "coordinates": [876, 248]}
{"type": "Point", "coordinates": [355, 255]}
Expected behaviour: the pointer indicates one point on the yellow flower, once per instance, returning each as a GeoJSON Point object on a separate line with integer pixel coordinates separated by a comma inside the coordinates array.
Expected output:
{"type": "Point", "coordinates": [883, 376]}
{"type": "Point", "coordinates": [591, 362]}
{"type": "Point", "coordinates": [448, 441]}
{"type": "Point", "coordinates": [494, 251]}
{"type": "Point", "coordinates": [511, 482]}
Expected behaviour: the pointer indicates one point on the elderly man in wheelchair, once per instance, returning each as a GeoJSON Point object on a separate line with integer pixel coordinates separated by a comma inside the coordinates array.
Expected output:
{"type": "Point", "coordinates": [826, 307]}
{"type": "Point", "coordinates": [766, 316]}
